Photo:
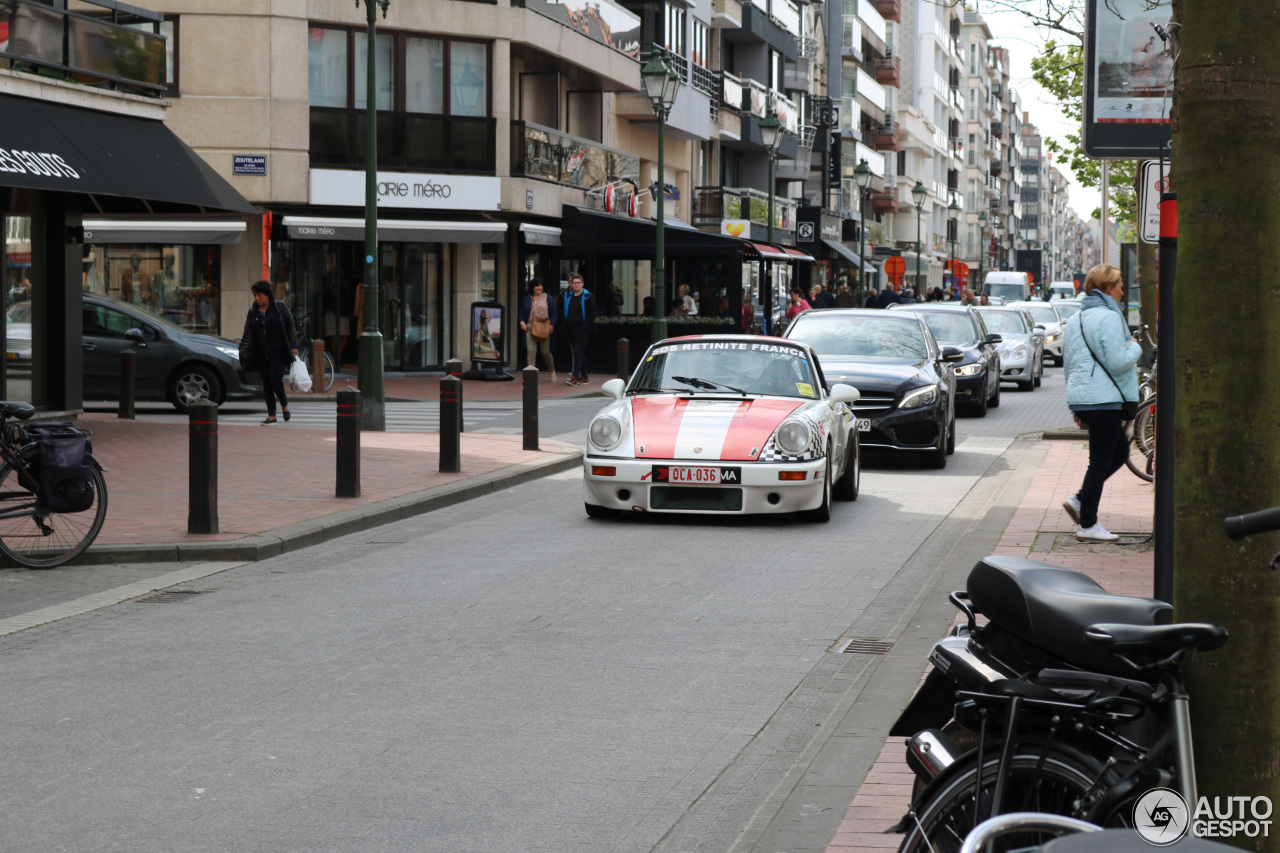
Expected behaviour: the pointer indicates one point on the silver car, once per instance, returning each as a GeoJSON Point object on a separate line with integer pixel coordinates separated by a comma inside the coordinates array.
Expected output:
{"type": "Point", "coordinates": [1022, 347]}
{"type": "Point", "coordinates": [1046, 314]}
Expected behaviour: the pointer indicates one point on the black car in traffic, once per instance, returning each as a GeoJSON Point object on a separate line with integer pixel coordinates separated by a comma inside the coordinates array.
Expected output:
{"type": "Point", "coordinates": [978, 374]}
{"type": "Point", "coordinates": [904, 377]}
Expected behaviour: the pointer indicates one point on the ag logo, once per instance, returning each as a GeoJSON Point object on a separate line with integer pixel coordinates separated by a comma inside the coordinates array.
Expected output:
{"type": "Point", "coordinates": [1160, 816]}
{"type": "Point", "coordinates": [804, 232]}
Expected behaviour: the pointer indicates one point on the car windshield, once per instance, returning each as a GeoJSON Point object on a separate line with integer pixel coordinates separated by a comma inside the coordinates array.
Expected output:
{"type": "Point", "coordinates": [1043, 313]}
{"type": "Point", "coordinates": [1005, 322]}
{"type": "Point", "coordinates": [147, 315]}
{"type": "Point", "coordinates": [862, 337]}
{"type": "Point", "coordinates": [734, 367]}
{"type": "Point", "coordinates": [20, 312]}
{"type": "Point", "coordinates": [951, 327]}
{"type": "Point", "coordinates": [1067, 307]}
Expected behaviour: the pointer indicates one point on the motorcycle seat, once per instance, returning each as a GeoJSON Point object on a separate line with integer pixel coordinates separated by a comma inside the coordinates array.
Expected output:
{"type": "Point", "coordinates": [1051, 607]}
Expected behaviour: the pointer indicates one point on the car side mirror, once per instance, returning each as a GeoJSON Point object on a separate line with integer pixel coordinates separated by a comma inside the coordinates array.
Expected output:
{"type": "Point", "coordinates": [842, 393]}
{"type": "Point", "coordinates": [1040, 327]}
{"type": "Point", "coordinates": [135, 336]}
{"type": "Point", "coordinates": [613, 387]}
{"type": "Point", "coordinates": [995, 339]}
{"type": "Point", "coordinates": [952, 354]}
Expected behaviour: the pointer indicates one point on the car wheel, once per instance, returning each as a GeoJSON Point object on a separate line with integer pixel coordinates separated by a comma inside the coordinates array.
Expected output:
{"type": "Point", "coordinates": [994, 402]}
{"type": "Point", "coordinates": [951, 437]}
{"type": "Point", "coordinates": [979, 409]}
{"type": "Point", "coordinates": [936, 458]}
{"type": "Point", "coordinates": [1039, 377]}
{"type": "Point", "coordinates": [193, 382]}
{"type": "Point", "coordinates": [850, 480]}
{"type": "Point", "coordinates": [823, 513]}
{"type": "Point", "coordinates": [600, 511]}
{"type": "Point", "coordinates": [1029, 384]}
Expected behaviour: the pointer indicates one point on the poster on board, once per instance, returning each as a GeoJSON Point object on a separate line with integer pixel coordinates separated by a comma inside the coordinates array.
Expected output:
{"type": "Point", "coordinates": [486, 331]}
{"type": "Point", "coordinates": [1128, 79]}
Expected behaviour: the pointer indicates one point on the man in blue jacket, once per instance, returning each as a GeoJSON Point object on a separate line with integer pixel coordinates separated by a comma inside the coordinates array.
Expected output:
{"type": "Point", "coordinates": [578, 317]}
{"type": "Point", "coordinates": [1099, 356]}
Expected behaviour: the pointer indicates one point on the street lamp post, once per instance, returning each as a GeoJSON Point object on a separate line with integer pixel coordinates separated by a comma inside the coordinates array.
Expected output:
{"type": "Point", "coordinates": [953, 226]}
{"type": "Point", "coordinates": [373, 398]}
{"type": "Point", "coordinates": [661, 84]}
{"type": "Point", "coordinates": [998, 225]}
{"type": "Point", "coordinates": [918, 192]}
{"type": "Point", "coordinates": [771, 136]}
{"type": "Point", "coordinates": [862, 176]}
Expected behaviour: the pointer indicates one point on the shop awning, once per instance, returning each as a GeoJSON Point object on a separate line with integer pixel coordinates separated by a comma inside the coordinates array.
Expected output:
{"type": "Point", "coordinates": [595, 232]}
{"type": "Point", "coordinates": [403, 230]}
{"type": "Point", "coordinates": [769, 252]}
{"type": "Point", "coordinates": [540, 235]}
{"type": "Point", "coordinates": [797, 254]}
{"type": "Point", "coordinates": [48, 146]}
{"type": "Point", "coordinates": [843, 251]}
{"type": "Point", "coordinates": [165, 232]}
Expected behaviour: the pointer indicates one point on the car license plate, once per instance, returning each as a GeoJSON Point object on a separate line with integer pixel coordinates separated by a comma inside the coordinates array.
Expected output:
{"type": "Point", "coordinates": [689, 475]}
{"type": "Point", "coordinates": [863, 424]}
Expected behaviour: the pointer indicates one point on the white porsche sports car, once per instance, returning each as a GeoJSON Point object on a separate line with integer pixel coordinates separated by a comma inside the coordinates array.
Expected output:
{"type": "Point", "coordinates": [724, 424]}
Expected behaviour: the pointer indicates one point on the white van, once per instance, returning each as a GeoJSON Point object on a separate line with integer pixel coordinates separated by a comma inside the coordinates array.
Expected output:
{"type": "Point", "coordinates": [1062, 290]}
{"type": "Point", "coordinates": [1009, 286]}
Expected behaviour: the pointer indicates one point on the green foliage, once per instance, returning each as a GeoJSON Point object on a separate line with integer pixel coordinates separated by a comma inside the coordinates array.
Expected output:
{"type": "Point", "coordinates": [1059, 69]}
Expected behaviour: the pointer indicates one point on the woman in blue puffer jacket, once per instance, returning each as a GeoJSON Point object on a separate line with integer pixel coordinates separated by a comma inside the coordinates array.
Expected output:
{"type": "Point", "coordinates": [1099, 357]}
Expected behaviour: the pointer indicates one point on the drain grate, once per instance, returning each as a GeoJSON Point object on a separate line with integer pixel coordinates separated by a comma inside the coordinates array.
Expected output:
{"type": "Point", "coordinates": [168, 596]}
{"type": "Point", "coordinates": [867, 646]}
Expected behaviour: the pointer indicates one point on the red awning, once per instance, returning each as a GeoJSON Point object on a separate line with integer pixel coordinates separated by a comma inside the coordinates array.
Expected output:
{"type": "Point", "coordinates": [797, 254]}
{"type": "Point", "coordinates": [767, 251]}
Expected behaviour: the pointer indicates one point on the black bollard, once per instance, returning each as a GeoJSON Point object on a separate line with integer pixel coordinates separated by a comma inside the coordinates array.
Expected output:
{"type": "Point", "coordinates": [450, 434]}
{"type": "Point", "coordinates": [453, 367]}
{"type": "Point", "coordinates": [128, 372]}
{"type": "Point", "coordinates": [624, 358]}
{"type": "Point", "coordinates": [348, 443]}
{"type": "Point", "coordinates": [530, 408]}
{"type": "Point", "coordinates": [202, 468]}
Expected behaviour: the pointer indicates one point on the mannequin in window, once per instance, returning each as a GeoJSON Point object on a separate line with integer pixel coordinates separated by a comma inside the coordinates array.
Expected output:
{"type": "Point", "coordinates": [134, 277]}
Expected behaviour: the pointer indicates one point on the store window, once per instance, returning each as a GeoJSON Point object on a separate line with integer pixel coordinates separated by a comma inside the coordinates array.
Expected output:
{"type": "Point", "coordinates": [24, 326]}
{"type": "Point", "coordinates": [179, 283]}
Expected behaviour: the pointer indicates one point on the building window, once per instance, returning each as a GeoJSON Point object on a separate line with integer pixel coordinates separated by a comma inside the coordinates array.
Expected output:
{"type": "Point", "coordinates": [674, 34]}
{"type": "Point", "coordinates": [424, 75]}
{"type": "Point", "coordinates": [384, 57]}
{"type": "Point", "coordinates": [327, 67]}
{"type": "Point", "coordinates": [469, 78]}
{"type": "Point", "coordinates": [701, 44]}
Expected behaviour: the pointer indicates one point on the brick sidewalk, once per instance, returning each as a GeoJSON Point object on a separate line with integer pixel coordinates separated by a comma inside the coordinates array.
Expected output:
{"type": "Point", "coordinates": [428, 387]}
{"type": "Point", "coordinates": [1127, 508]}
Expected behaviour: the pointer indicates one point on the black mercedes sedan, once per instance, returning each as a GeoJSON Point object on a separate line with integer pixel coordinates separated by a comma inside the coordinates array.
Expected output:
{"type": "Point", "coordinates": [904, 376]}
{"type": "Point", "coordinates": [978, 374]}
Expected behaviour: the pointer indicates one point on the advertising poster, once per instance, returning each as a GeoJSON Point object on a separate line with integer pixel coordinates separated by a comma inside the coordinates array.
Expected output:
{"type": "Point", "coordinates": [486, 331]}
{"type": "Point", "coordinates": [1128, 78]}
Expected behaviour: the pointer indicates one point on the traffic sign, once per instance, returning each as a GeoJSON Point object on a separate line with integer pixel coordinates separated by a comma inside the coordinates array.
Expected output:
{"type": "Point", "coordinates": [895, 268]}
{"type": "Point", "coordinates": [1154, 182]}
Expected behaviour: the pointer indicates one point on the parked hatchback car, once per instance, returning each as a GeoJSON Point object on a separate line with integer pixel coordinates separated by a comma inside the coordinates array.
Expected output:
{"type": "Point", "coordinates": [1022, 349]}
{"type": "Point", "coordinates": [171, 364]}
{"type": "Point", "coordinates": [978, 373]}
{"type": "Point", "coordinates": [906, 387]}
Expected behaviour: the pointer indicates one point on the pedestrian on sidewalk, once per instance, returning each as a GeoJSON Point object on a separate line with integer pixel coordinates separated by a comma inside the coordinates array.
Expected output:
{"type": "Point", "coordinates": [538, 321]}
{"type": "Point", "coordinates": [578, 317]}
{"type": "Point", "coordinates": [266, 344]}
{"type": "Point", "coordinates": [1099, 359]}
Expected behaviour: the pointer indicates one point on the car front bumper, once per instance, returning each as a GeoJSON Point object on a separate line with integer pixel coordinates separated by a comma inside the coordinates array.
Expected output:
{"type": "Point", "coordinates": [910, 429]}
{"type": "Point", "coordinates": [631, 487]}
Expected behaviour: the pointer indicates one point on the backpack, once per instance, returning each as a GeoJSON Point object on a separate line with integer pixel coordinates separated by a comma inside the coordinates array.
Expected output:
{"type": "Point", "coordinates": [63, 475]}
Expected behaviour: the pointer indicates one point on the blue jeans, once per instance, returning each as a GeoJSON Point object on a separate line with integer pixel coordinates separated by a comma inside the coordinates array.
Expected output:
{"type": "Point", "coordinates": [1108, 449]}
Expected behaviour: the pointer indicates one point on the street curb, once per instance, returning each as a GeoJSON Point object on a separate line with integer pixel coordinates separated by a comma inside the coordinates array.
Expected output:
{"type": "Point", "coordinates": [1068, 434]}
{"type": "Point", "coordinates": [304, 534]}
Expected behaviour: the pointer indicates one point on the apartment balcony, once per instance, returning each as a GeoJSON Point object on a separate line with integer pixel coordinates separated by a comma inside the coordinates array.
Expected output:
{"type": "Point", "coordinates": [889, 71]}
{"type": "Point", "coordinates": [799, 167]}
{"type": "Point", "coordinates": [890, 10]}
{"type": "Point", "coordinates": [726, 14]}
{"type": "Point", "coordinates": [730, 123]}
{"type": "Point", "coordinates": [550, 155]}
{"type": "Point", "coordinates": [713, 204]}
{"type": "Point", "coordinates": [799, 76]}
{"type": "Point", "coordinates": [884, 137]}
{"type": "Point", "coordinates": [997, 167]}
{"type": "Point", "coordinates": [997, 129]}
{"type": "Point", "coordinates": [989, 105]}
{"type": "Point", "coordinates": [406, 141]}
{"type": "Point", "coordinates": [886, 201]}
{"type": "Point", "coordinates": [955, 146]}
{"type": "Point", "coordinates": [990, 148]}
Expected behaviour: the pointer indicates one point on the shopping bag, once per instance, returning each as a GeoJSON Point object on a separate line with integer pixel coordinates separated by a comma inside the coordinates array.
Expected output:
{"type": "Point", "coordinates": [299, 376]}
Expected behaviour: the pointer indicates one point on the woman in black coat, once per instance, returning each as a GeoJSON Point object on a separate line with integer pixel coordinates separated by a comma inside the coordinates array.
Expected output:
{"type": "Point", "coordinates": [266, 345]}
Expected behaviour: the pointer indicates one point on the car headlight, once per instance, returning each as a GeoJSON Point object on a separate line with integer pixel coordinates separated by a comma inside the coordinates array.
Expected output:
{"type": "Point", "coordinates": [1050, 338]}
{"type": "Point", "coordinates": [231, 351]}
{"type": "Point", "coordinates": [793, 437]}
{"type": "Point", "coordinates": [969, 370]}
{"type": "Point", "coordinates": [606, 432]}
{"type": "Point", "coordinates": [1020, 351]}
{"type": "Point", "coordinates": [926, 396]}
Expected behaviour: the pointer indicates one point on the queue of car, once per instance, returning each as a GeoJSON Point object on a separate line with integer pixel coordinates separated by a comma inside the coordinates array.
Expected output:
{"type": "Point", "coordinates": [741, 424]}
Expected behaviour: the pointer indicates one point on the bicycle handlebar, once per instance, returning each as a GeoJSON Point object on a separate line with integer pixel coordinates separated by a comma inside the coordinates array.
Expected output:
{"type": "Point", "coordinates": [1262, 521]}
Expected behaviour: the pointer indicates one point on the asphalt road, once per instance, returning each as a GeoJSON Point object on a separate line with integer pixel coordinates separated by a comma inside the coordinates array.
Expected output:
{"type": "Point", "coordinates": [504, 675]}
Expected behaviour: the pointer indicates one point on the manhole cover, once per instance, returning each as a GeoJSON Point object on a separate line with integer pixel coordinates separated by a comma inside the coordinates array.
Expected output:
{"type": "Point", "coordinates": [168, 596]}
{"type": "Point", "coordinates": [867, 646]}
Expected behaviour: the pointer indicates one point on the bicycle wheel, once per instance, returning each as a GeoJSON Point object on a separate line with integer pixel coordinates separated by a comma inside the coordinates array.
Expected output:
{"type": "Point", "coordinates": [1141, 434]}
{"type": "Point", "coordinates": [46, 541]}
{"type": "Point", "coordinates": [948, 813]}
{"type": "Point", "coordinates": [329, 371]}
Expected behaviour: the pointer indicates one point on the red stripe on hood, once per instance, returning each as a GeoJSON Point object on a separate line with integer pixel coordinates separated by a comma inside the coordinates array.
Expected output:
{"type": "Point", "coordinates": [657, 425]}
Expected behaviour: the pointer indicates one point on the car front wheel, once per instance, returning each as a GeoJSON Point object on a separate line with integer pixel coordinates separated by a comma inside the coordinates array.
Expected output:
{"type": "Point", "coordinates": [850, 480]}
{"type": "Point", "coordinates": [823, 512]}
{"type": "Point", "coordinates": [194, 382]}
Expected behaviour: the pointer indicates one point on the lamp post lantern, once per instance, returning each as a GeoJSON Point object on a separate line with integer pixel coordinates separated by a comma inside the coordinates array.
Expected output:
{"type": "Point", "coordinates": [918, 192]}
{"type": "Point", "coordinates": [661, 84]}
{"type": "Point", "coordinates": [771, 136]}
{"type": "Point", "coordinates": [373, 398]}
{"type": "Point", "coordinates": [953, 227]}
{"type": "Point", "coordinates": [862, 176]}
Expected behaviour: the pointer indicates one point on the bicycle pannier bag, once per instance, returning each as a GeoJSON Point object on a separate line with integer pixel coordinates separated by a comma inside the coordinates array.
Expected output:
{"type": "Point", "coordinates": [64, 479]}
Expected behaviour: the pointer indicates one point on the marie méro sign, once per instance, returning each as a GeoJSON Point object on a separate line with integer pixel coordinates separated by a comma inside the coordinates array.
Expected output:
{"type": "Point", "coordinates": [346, 188]}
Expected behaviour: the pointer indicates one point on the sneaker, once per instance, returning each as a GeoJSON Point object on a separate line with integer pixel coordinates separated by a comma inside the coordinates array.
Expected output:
{"type": "Point", "coordinates": [1072, 506]}
{"type": "Point", "coordinates": [286, 417]}
{"type": "Point", "coordinates": [268, 421]}
{"type": "Point", "coordinates": [1097, 533]}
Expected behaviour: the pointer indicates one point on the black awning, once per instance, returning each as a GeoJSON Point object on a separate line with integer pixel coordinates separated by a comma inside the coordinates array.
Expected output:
{"type": "Point", "coordinates": [843, 251]}
{"type": "Point", "coordinates": [589, 231]}
{"type": "Point", "coordinates": [48, 146]}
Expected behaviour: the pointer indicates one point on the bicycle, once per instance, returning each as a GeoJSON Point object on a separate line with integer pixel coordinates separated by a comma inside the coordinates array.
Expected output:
{"type": "Point", "coordinates": [1141, 431]}
{"type": "Point", "coordinates": [305, 345]}
{"type": "Point", "coordinates": [31, 535]}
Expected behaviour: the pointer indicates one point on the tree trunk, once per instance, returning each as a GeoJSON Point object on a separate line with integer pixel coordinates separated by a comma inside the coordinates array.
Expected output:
{"type": "Point", "coordinates": [1226, 444]}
